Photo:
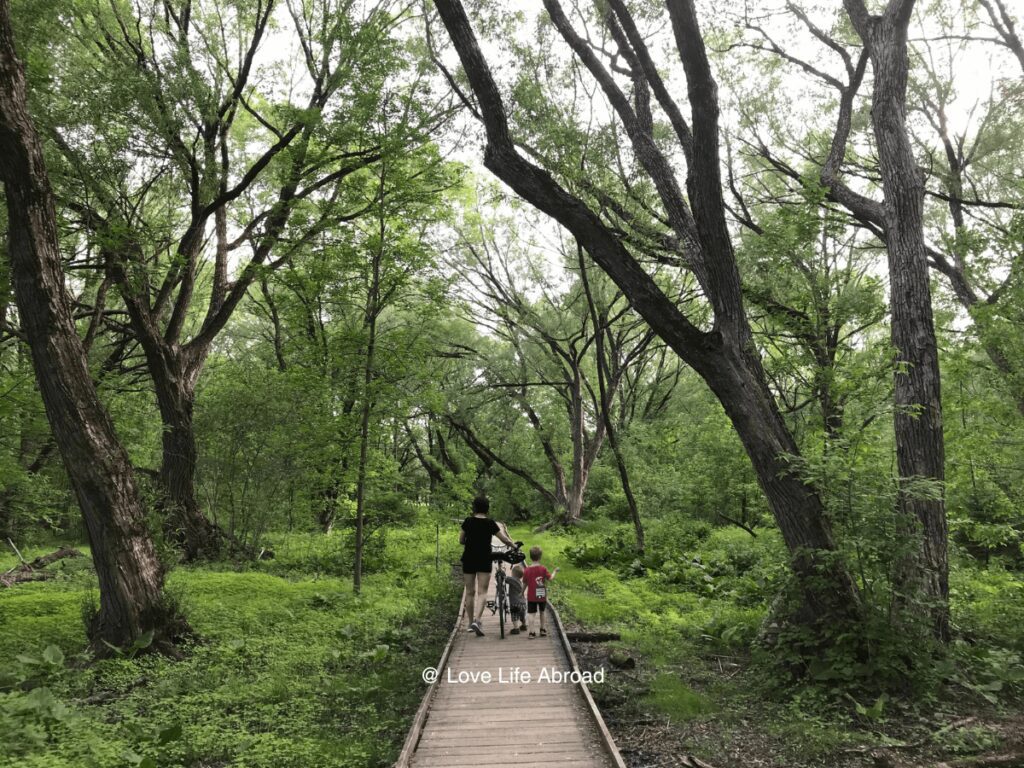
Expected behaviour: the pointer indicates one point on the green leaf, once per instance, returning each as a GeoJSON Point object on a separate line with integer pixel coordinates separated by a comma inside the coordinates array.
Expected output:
{"type": "Point", "coordinates": [144, 640]}
{"type": "Point", "coordinates": [875, 711]}
{"type": "Point", "coordinates": [53, 655]}
{"type": "Point", "coordinates": [113, 647]}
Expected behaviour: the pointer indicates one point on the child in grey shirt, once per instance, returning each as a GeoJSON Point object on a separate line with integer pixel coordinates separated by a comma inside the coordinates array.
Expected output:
{"type": "Point", "coordinates": [517, 599]}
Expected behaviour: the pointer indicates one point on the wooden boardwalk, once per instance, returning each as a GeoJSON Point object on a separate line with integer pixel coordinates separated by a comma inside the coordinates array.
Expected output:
{"type": "Point", "coordinates": [507, 721]}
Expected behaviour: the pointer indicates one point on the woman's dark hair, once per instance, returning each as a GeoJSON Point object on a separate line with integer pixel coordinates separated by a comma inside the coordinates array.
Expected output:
{"type": "Point", "coordinates": [481, 505]}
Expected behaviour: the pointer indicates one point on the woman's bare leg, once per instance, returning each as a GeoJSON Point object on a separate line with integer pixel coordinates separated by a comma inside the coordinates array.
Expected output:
{"type": "Point", "coordinates": [469, 580]}
{"type": "Point", "coordinates": [483, 583]}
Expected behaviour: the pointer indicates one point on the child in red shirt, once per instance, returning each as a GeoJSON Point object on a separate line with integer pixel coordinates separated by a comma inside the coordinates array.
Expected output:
{"type": "Point", "coordinates": [536, 578]}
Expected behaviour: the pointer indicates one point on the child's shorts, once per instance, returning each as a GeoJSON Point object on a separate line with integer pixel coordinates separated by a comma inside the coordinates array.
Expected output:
{"type": "Point", "coordinates": [537, 605]}
{"type": "Point", "coordinates": [518, 611]}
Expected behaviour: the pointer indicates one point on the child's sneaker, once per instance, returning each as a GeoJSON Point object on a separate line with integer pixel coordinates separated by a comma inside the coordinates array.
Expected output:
{"type": "Point", "coordinates": [533, 634]}
{"type": "Point", "coordinates": [543, 633]}
{"type": "Point", "coordinates": [514, 631]}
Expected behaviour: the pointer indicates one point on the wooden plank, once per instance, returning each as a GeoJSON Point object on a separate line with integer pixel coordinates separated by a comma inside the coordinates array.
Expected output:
{"type": "Point", "coordinates": [522, 749]}
{"type": "Point", "coordinates": [475, 762]}
{"type": "Point", "coordinates": [484, 738]}
{"type": "Point", "coordinates": [487, 735]}
{"type": "Point", "coordinates": [520, 719]}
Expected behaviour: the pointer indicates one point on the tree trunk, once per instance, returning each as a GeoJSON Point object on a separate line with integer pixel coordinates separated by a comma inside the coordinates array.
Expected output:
{"type": "Point", "coordinates": [627, 489]}
{"type": "Point", "coordinates": [328, 513]}
{"type": "Point", "coordinates": [372, 310]}
{"type": "Point", "coordinates": [599, 320]}
{"type": "Point", "coordinates": [580, 468]}
{"type": "Point", "coordinates": [828, 588]}
{"type": "Point", "coordinates": [129, 574]}
{"type": "Point", "coordinates": [7, 527]}
{"type": "Point", "coordinates": [921, 580]}
{"type": "Point", "coordinates": [574, 500]}
{"type": "Point", "coordinates": [184, 521]}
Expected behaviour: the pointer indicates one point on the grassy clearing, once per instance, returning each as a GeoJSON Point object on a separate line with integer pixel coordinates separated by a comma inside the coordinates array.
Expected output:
{"type": "Point", "coordinates": [291, 668]}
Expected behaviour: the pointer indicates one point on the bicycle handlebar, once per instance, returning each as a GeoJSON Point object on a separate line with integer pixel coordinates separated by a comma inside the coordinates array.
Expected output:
{"type": "Point", "coordinates": [511, 555]}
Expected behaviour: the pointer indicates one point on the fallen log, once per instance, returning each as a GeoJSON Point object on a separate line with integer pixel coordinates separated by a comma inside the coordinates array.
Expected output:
{"type": "Point", "coordinates": [9, 579]}
{"type": "Point", "coordinates": [689, 761]}
{"type": "Point", "coordinates": [44, 560]}
{"type": "Point", "coordinates": [592, 637]}
{"type": "Point", "coordinates": [32, 571]}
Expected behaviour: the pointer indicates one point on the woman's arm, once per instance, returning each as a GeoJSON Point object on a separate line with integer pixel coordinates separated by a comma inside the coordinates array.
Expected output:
{"type": "Point", "coordinates": [503, 535]}
{"type": "Point", "coordinates": [462, 536]}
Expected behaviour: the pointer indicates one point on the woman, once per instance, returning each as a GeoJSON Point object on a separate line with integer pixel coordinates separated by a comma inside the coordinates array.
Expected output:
{"type": "Point", "coordinates": [477, 530]}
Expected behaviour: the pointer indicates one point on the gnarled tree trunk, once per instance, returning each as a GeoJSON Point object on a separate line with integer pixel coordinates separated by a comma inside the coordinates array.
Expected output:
{"type": "Point", "coordinates": [184, 520]}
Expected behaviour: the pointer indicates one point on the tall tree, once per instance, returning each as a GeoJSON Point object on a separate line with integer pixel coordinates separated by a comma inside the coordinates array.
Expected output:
{"type": "Point", "coordinates": [972, 243]}
{"type": "Point", "coordinates": [546, 354]}
{"type": "Point", "coordinates": [609, 369]}
{"type": "Point", "coordinates": [259, 170]}
{"type": "Point", "coordinates": [923, 574]}
{"type": "Point", "coordinates": [130, 575]}
{"type": "Point", "coordinates": [724, 355]}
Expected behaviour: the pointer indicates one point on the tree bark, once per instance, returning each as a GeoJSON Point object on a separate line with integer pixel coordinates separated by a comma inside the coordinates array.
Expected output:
{"type": "Point", "coordinates": [184, 521]}
{"type": "Point", "coordinates": [129, 573]}
{"type": "Point", "coordinates": [921, 579]}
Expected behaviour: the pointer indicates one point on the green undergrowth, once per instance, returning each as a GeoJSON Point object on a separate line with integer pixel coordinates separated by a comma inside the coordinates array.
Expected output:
{"type": "Point", "coordinates": [290, 668]}
{"type": "Point", "coordinates": [688, 613]}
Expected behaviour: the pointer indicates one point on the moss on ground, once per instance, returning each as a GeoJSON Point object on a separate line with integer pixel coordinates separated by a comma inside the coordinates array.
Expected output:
{"type": "Point", "coordinates": [291, 668]}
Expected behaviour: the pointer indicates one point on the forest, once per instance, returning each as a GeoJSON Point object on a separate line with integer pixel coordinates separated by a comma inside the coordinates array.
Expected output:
{"type": "Point", "coordinates": [721, 304]}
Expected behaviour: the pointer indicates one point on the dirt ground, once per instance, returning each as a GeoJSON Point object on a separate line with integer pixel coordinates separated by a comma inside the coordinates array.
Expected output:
{"type": "Point", "coordinates": [743, 733]}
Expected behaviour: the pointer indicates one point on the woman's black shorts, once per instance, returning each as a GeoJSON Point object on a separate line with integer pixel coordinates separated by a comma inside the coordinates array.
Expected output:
{"type": "Point", "coordinates": [476, 565]}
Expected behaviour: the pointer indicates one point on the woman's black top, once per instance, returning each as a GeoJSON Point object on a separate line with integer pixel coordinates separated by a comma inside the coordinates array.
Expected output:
{"type": "Point", "coordinates": [477, 554]}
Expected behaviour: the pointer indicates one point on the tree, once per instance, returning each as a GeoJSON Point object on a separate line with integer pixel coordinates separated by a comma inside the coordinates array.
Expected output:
{"type": "Point", "coordinates": [921, 579]}
{"type": "Point", "coordinates": [923, 574]}
{"type": "Point", "coordinates": [609, 371]}
{"type": "Point", "coordinates": [544, 363]}
{"type": "Point", "coordinates": [130, 576]}
{"type": "Point", "coordinates": [180, 114]}
{"type": "Point", "coordinates": [973, 242]}
{"type": "Point", "coordinates": [724, 355]}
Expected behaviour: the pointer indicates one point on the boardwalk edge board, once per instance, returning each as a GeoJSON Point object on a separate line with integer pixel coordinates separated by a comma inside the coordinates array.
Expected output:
{"type": "Point", "coordinates": [606, 736]}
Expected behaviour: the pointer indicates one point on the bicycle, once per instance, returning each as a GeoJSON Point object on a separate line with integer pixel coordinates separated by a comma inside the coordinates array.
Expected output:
{"type": "Point", "coordinates": [500, 604]}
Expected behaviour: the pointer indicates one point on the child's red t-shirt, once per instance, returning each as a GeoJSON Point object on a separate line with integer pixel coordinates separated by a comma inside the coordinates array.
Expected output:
{"type": "Point", "coordinates": [534, 577]}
